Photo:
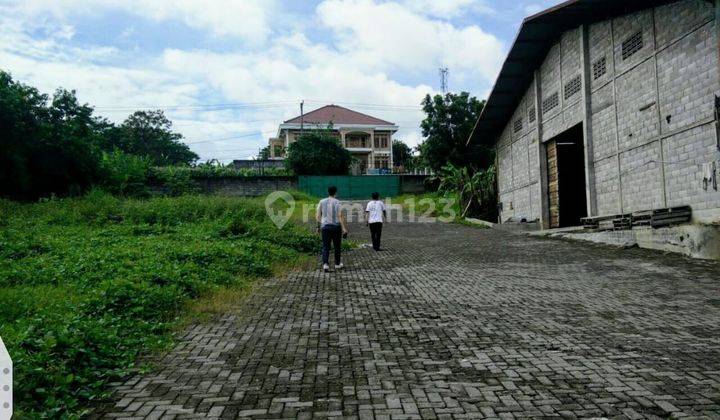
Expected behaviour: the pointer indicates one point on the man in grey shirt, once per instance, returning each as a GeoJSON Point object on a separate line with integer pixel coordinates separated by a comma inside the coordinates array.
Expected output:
{"type": "Point", "coordinates": [331, 223]}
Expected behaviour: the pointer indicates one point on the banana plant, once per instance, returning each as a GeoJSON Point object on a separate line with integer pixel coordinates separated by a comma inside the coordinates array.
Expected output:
{"type": "Point", "coordinates": [471, 186]}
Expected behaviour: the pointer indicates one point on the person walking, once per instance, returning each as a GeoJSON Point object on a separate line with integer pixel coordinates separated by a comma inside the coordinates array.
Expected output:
{"type": "Point", "coordinates": [375, 213]}
{"type": "Point", "coordinates": [332, 227]}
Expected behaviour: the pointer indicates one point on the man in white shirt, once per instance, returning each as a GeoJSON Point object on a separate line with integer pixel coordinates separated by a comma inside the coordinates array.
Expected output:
{"type": "Point", "coordinates": [332, 227]}
{"type": "Point", "coordinates": [375, 214]}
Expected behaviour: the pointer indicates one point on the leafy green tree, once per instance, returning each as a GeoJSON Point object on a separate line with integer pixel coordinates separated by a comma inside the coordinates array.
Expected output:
{"type": "Point", "coordinates": [45, 148]}
{"type": "Point", "coordinates": [318, 153]}
{"type": "Point", "coordinates": [264, 153]}
{"type": "Point", "coordinates": [447, 126]}
{"type": "Point", "coordinates": [22, 117]}
{"type": "Point", "coordinates": [148, 133]}
{"type": "Point", "coordinates": [55, 146]}
{"type": "Point", "coordinates": [402, 154]}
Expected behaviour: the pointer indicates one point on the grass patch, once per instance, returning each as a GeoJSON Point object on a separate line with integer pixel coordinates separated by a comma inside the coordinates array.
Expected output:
{"type": "Point", "coordinates": [88, 284]}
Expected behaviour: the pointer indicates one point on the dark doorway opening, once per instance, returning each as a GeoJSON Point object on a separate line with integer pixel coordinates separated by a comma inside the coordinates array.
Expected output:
{"type": "Point", "coordinates": [566, 178]}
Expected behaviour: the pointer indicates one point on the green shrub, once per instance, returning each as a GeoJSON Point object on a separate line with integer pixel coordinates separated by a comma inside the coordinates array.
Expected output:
{"type": "Point", "coordinates": [176, 179]}
{"type": "Point", "coordinates": [207, 171]}
{"type": "Point", "coordinates": [124, 174]}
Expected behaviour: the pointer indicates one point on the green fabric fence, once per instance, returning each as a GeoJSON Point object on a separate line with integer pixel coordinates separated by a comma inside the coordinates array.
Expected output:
{"type": "Point", "coordinates": [351, 187]}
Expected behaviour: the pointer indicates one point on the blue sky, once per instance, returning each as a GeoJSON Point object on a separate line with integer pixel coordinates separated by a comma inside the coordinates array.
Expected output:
{"type": "Point", "coordinates": [228, 72]}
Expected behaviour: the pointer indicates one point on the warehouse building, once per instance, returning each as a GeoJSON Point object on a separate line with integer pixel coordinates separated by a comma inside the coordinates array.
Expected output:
{"type": "Point", "coordinates": [608, 108]}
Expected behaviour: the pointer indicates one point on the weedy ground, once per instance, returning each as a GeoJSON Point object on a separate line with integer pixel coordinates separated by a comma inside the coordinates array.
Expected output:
{"type": "Point", "coordinates": [88, 284]}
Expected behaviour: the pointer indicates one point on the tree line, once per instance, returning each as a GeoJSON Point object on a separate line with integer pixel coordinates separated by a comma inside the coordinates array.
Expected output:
{"type": "Point", "coordinates": [56, 145]}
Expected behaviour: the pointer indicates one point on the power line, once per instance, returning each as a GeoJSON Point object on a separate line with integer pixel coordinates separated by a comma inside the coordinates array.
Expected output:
{"type": "Point", "coordinates": [253, 105]}
{"type": "Point", "coordinates": [221, 105]}
{"type": "Point", "coordinates": [254, 133]}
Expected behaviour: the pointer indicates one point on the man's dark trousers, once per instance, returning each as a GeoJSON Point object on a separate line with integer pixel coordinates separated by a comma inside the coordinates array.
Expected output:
{"type": "Point", "coordinates": [331, 233]}
{"type": "Point", "coordinates": [375, 232]}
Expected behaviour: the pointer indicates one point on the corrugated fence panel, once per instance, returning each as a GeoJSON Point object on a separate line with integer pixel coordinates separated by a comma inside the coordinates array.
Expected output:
{"type": "Point", "coordinates": [351, 187]}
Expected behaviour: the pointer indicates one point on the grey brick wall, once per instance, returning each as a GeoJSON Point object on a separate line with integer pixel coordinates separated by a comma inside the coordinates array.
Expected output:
{"type": "Point", "coordinates": [607, 188]}
{"type": "Point", "coordinates": [623, 28]}
{"type": "Point", "coordinates": [685, 153]}
{"type": "Point", "coordinates": [600, 47]}
{"type": "Point", "coordinates": [521, 202]}
{"type": "Point", "coordinates": [636, 106]}
{"type": "Point", "coordinates": [603, 122]}
{"type": "Point", "coordinates": [550, 80]}
{"type": "Point", "coordinates": [250, 186]}
{"type": "Point", "coordinates": [520, 162]}
{"type": "Point", "coordinates": [534, 158]}
{"type": "Point", "coordinates": [640, 176]}
{"type": "Point", "coordinates": [518, 171]}
{"type": "Point", "coordinates": [675, 20]}
{"type": "Point", "coordinates": [505, 165]}
{"type": "Point", "coordinates": [686, 71]}
{"type": "Point", "coordinates": [674, 73]}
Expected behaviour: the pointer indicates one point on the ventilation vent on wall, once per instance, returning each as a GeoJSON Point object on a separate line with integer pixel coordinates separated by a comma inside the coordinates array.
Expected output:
{"type": "Point", "coordinates": [632, 45]}
{"type": "Point", "coordinates": [517, 125]}
{"type": "Point", "coordinates": [572, 87]}
{"type": "Point", "coordinates": [531, 114]}
{"type": "Point", "coordinates": [599, 68]}
{"type": "Point", "coordinates": [550, 102]}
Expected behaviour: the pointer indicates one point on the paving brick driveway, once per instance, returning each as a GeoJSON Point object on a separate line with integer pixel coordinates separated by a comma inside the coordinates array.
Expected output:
{"type": "Point", "coordinates": [455, 322]}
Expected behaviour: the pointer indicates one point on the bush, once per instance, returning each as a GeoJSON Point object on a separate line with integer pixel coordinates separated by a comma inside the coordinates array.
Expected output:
{"type": "Point", "coordinates": [207, 171]}
{"type": "Point", "coordinates": [176, 179]}
{"type": "Point", "coordinates": [124, 174]}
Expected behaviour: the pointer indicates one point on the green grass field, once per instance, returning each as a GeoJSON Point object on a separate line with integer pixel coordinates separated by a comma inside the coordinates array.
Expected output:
{"type": "Point", "coordinates": [88, 284]}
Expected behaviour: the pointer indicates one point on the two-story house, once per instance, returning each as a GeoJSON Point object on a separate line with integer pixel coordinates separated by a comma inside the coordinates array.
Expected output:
{"type": "Point", "coordinates": [368, 139]}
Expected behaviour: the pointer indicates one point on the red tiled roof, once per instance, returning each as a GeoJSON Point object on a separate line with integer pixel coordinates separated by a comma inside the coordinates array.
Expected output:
{"type": "Point", "coordinates": [337, 115]}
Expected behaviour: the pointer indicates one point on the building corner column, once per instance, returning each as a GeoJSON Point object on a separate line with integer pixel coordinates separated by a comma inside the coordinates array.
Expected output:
{"type": "Point", "coordinates": [542, 155]}
{"type": "Point", "coordinates": [590, 193]}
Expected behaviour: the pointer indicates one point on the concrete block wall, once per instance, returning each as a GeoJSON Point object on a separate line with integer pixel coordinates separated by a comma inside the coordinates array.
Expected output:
{"type": "Point", "coordinates": [518, 165]}
{"type": "Point", "coordinates": [651, 113]}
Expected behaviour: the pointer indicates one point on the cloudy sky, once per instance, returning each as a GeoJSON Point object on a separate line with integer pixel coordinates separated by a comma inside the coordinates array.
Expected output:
{"type": "Point", "coordinates": [227, 72]}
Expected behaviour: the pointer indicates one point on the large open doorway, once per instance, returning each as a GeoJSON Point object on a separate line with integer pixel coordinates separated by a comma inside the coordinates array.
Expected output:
{"type": "Point", "coordinates": [566, 178]}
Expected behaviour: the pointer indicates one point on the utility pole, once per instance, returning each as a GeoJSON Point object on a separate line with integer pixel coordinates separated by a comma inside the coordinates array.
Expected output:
{"type": "Point", "coordinates": [302, 117]}
{"type": "Point", "coordinates": [443, 79]}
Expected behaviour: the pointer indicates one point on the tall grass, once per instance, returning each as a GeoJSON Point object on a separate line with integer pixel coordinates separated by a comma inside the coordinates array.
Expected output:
{"type": "Point", "coordinates": [88, 284]}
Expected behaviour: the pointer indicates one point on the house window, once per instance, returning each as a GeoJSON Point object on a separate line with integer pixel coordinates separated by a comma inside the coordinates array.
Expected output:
{"type": "Point", "coordinates": [572, 87]}
{"type": "Point", "coordinates": [531, 114]}
{"type": "Point", "coordinates": [382, 162]}
{"type": "Point", "coordinates": [599, 68]}
{"type": "Point", "coordinates": [381, 140]}
{"type": "Point", "coordinates": [550, 102]}
{"type": "Point", "coordinates": [517, 125]}
{"type": "Point", "coordinates": [356, 140]}
{"type": "Point", "coordinates": [632, 45]}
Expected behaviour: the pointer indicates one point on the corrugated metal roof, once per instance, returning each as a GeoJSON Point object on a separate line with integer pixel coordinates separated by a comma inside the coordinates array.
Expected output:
{"type": "Point", "coordinates": [533, 41]}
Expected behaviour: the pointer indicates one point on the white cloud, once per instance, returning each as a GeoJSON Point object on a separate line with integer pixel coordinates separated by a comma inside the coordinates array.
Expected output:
{"type": "Point", "coordinates": [389, 36]}
{"type": "Point", "coordinates": [370, 44]}
{"type": "Point", "coordinates": [448, 8]}
{"type": "Point", "coordinates": [248, 19]}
